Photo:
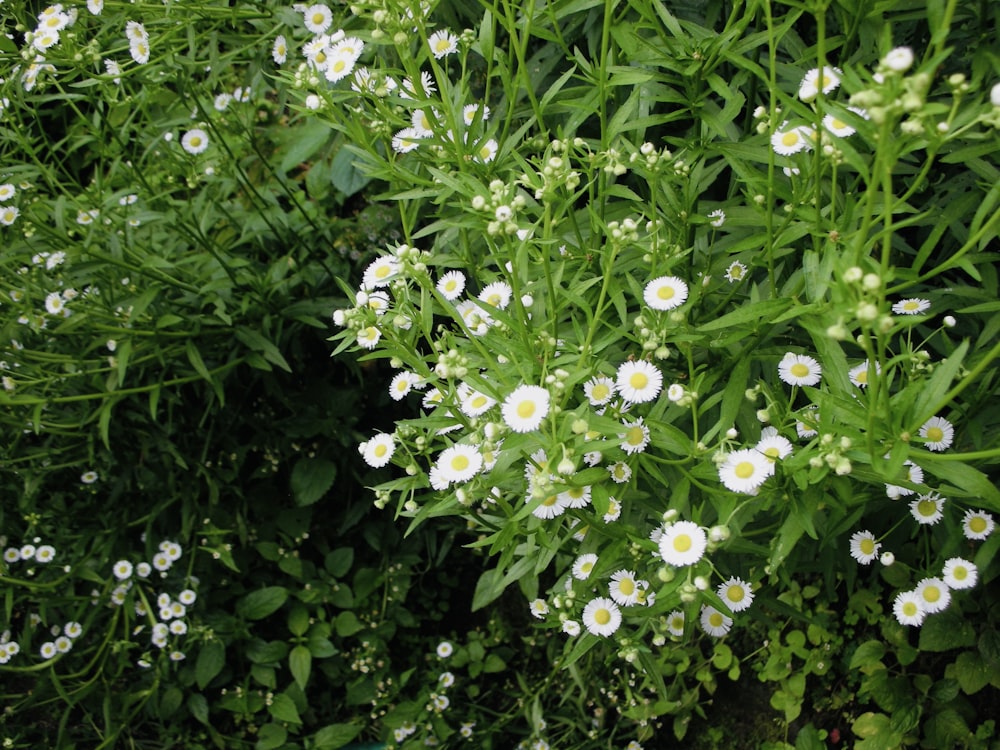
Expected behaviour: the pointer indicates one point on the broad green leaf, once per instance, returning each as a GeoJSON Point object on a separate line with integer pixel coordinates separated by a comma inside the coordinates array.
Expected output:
{"type": "Point", "coordinates": [311, 479]}
{"type": "Point", "coordinates": [300, 665]}
{"type": "Point", "coordinates": [271, 736]}
{"type": "Point", "coordinates": [972, 672]}
{"type": "Point", "coordinates": [211, 660]}
{"type": "Point", "coordinates": [283, 708]}
{"type": "Point", "coordinates": [338, 562]}
{"type": "Point", "coordinates": [347, 624]}
{"type": "Point", "coordinates": [259, 604]}
{"type": "Point", "coordinates": [945, 631]}
{"type": "Point", "coordinates": [198, 707]}
{"type": "Point", "coordinates": [335, 736]}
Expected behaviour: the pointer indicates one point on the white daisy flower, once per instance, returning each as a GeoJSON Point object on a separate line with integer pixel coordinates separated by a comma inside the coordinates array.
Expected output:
{"type": "Point", "coordinates": [914, 475]}
{"type": "Point", "coordinates": [570, 628]}
{"type": "Point", "coordinates": [736, 594]}
{"type": "Point", "coordinates": [938, 432]}
{"type": "Point", "coordinates": [470, 112]}
{"type": "Point", "coordinates": [599, 390]}
{"type": "Point", "coordinates": [745, 470]}
{"type": "Point", "coordinates": [636, 436]}
{"type": "Point", "coordinates": [442, 43]}
{"type": "Point", "coordinates": [620, 472]}
{"type": "Point", "coordinates": [624, 588]}
{"type": "Point", "coordinates": [735, 272]}
{"type": "Point", "coordinates": [792, 140]}
{"type": "Point", "coordinates": [835, 126]}
{"type": "Point", "coordinates": [799, 369]}
{"type": "Point", "coordinates": [279, 50]}
{"type": "Point", "coordinates": [638, 381]}
{"type": "Point", "coordinates": [934, 594]}
{"type": "Point", "coordinates": [496, 294]}
{"type": "Point", "coordinates": [401, 384]}
{"type": "Point", "coordinates": [682, 543]}
{"type": "Point", "coordinates": [475, 404]}
{"type": "Point", "coordinates": [378, 450]}
{"type": "Point", "coordinates": [665, 293]}
{"type": "Point", "coordinates": [195, 141]}
{"type": "Point", "coordinates": [380, 272]}
{"type": "Point", "coordinates": [772, 445]}
{"type": "Point", "coordinates": [486, 151]}
{"type": "Point", "coordinates": [813, 82]}
{"type": "Point", "coordinates": [908, 608]}
{"type": "Point", "coordinates": [340, 63]}
{"type": "Point", "coordinates": [912, 306]}
{"type": "Point", "coordinates": [576, 497]}
{"type": "Point", "coordinates": [614, 511]}
{"type": "Point", "coordinates": [898, 60]}
{"type": "Point", "coordinates": [864, 547]}
{"type": "Point", "coordinates": [459, 463]}
{"type": "Point", "coordinates": [139, 50]}
{"type": "Point", "coordinates": [859, 373]}
{"type": "Point", "coordinates": [525, 408]}
{"type": "Point", "coordinates": [601, 616]}
{"type": "Point", "coordinates": [714, 622]}
{"type": "Point", "coordinates": [318, 18]}
{"type": "Point", "coordinates": [122, 570]}
{"type": "Point", "coordinates": [977, 524]}
{"type": "Point", "coordinates": [928, 509]}
{"type": "Point", "coordinates": [552, 505]}
{"type": "Point", "coordinates": [675, 623]}
{"type": "Point", "coordinates": [959, 573]}
{"type": "Point", "coordinates": [451, 285]}
{"type": "Point", "coordinates": [369, 337]}
{"type": "Point", "coordinates": [583, 566]}
{"type": "Point", "coordinates": [539, 608]}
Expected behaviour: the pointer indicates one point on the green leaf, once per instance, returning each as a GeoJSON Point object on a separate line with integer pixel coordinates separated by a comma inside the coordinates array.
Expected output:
{"type": "Point", "coordinates": [945, 631]}
{"type": "Point", "coordinates": [746, 313]}
{"type": "Point", "coordinates": [258, 343]}
{"type": "Point", "coordinates": [259, 604]}
{"type": "Point", "coordinates": [211, 660]}
{"type": "Point", "coordinates": [930, 399]}
{"type": "Point", "coordinates": [876, 732]}
{"type": "Point", "coordinates": [972, 672]}
{"type": "Point", "coordinates": [345, 176]}
{"type": "Point", "coordinates": [271, 737]}
{"type": "Point", "coordinates": [305, 139]}
{"type": "Point", "coordinates": [283, 708]}
{"type": "Point", "coordinates": [298, 620]}
{"type": "Point", "coordinates": [335, 736]}
{"type": "Point", "coordinates": [171, 700]}
{"type": "Point", "coordinates": [311, 479]}
{"type": "Point", "coordinates": [198, 707]}
{"type": "Point", "coordinates": [347, 624]}
{"type": "Point", "coordinates": [338, 562]}
{"type": "Point", "coordinates": [300, 664]}
{"type": "Point", "coordinates": [868, 657]}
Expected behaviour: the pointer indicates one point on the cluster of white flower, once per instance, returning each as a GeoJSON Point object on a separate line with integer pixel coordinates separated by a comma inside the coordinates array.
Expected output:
{"type": "Point", "coordinates": [28, 552]}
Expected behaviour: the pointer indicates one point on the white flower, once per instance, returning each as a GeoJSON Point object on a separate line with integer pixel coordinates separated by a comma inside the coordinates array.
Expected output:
{"type": "Point", "coordinates": [583, 566]}
{"type": "Point", "coordinates": [459, 463]}
{"type": "Point", "coordinates": [799, 369]}
{"type": "Point", "coordinates": [791, 141]}
{"type": "Point", "coordinates": [665, 293]}
{"type": "Point", "coordinates": [486, 151]}
{"type": "Point", "coordinates": [813, 82]}
{"type": "Point", "coordinates": [279, 51]}
{"type": "Point", "coordinates": [859, 373]}
{"type": "Point", "coordinates": [525, 408]}
{"type": "Point", "coordinates": [717, 217]}
{"type": "Point", "coordinates": [624, 588]}
{"type": "Point", "coordinates": [380, 272]}
{"type": "Point", "coordinates": [340, 64]}
{"type": "Point", "coordinates": [682, 543]}
{"type": "Point", "coordinates": [908, 608]}
{"type": "Point", "coordinates": [571, 628]}
{"type": "Point", "coordinates": [977, 524]}
{"type": "Point", "coordinates": [898, 60]}
{"type": "Point", "coordinates": [442, 43]}
{"type": "Point", "coordinates": [864, 547]}
{"type": "Point", "coordinates": [911, 306]}
{"type": "Point", "coordinates": [714, 622]}
{"type": "Point", "coordinates": [317, 18]}
{"type": "Point", "coordinates": [195, 141]}
{"type": "Point", "coordinates": [378, 451]}
{"type": "Point", "coordinates": [636, 436]}
{"type": "Point", "coordinates": [772, 445]}
{"type": "Point", "coordinates": [934, 594]}
{"type": "Point", "coordinates": [122, 570]}
{"type": "Point", "coordinates": [405, 140]}
{"type": "Point", "coordinates": [735, 594]}
{"type": "Point", "coordinates": [496, 294]}
{"type": "Point", "coordinates": [745, 470]}
{"type": "Point", "coordinates": [601, 616]}
{"type": "Point", "coordinates": [928, 509]}
{"type": "Point", "coordinates": [444, 650]}
{"type": "Point", "coordinates": [451, 285]}
{"type": "Point", "coordinates": [837, 127]}
{"type": "Point", "coordinates": [639, 381]}
{"type": "Point", "coordinates": [959, 573]}
{"type": "Point", "coordinates": [938, 432]}
{"type": "Point", "coordinates": [599, 390]}
{"type": "Point", "coordinates": [539, 608]}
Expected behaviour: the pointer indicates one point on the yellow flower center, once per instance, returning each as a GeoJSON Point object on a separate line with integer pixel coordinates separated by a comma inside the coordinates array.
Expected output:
{"type": "Point", "coordinates": [934, 434]}
{"type": "Point", "coordinates": [862, 376]}
{"type": "Point", "coordinates": [837, 124]}
{"type": "Point", "coordinates": [493, 300]}
{"type": "Point", "coordinates": [550, 501]}
{"type": "Point", "coordinates": [735, 593]}
{"type": "Point", "coordinates": [381, 272]}
{"type": "Point", "coordinates": [575, 492]}
{"type": "Point", "coordinates": [318, 19]}
{"type": "Point", "coordinates": [639, 380]}
{"type": "Point", "coordinates": [460, 463]}
{"type": "Point", "coordinates": [932, 594]}
{"type": "Point", "coordinates": [626, 586]}
{"type": "Point", "coordinates": [799, 370]}
{"type": "Point", "coordinates": [196, 141]}
{"type": "Point", "coordinates": [602, 616]}
{"type": "Point", "coordinates": [525, 409]}
{"type": "Point", "coordinates": [771, 453]}
{"type": "Point", "coordinates": [478, 402]}
{"type": "Point", "coordinates": [977, 525]}
{"type": "Point", "coordinates": [600, 392]}
{"type": "Point", "coordinates": [443, 45]}
{"type": "Point", "coordinates": [683, 542]}
{"type": "Point", "coordinates": [715, 619]}
{"type": "Point", "coordinates": [744, 469]}
{"type": "Point", "coordinates": [911, 304]}
{"type": "Point", "coordinates": [867, 546]}
{"type": "Point", "coordinates": [960, 573]}
{"type": "Point", "coordinates": [665, 292]}
{"type": "Point", "coordinates": [635, 436]}
{"type": "Point", "coordinates": [927, 508]}
{"type": "Point", "coordinates": [380, 450]}
{"type": "Point", "coordinates": [791, 138]}
{"type": "Point", "coordinates": [909, 609]}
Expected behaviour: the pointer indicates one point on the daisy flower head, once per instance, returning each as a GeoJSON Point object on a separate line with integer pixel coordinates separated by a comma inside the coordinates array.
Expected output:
{"type": "Point", "coordinates": [772, 445]}
{"type": "Point", "coordinates": [665, 293]}
{"type": "Point", "coordinates": [95, 6]}
{"type": "Point", "coordinates": [714, 622]}
{"type": "Point", "coordinates": [139, 50]}
{"type": "Point", "coordinates": [938, 432]}
{"type": "Point", "coordinates": [377, 452]}
{"type": "Point", "coordinates": [815, 81]}
{"type": "Point", "coordinates": [799, 369]}
{"type": "Point", "coordinates": [571, 628]}
{"type": "Point", "coordinates": [745, 470]}
{"type": "Point", "coordinates": [636, 436]}
{"type": "Point", "coordinates": [717, 218]}
{"type": "Point", "coordinates": [451, 285]}
{"type": "Point", "coordinates": [422, 88]}
{"type": "Point", "coordinates": [8, 215]}
{"type": "Point", "coordinates": [88, 477]}
{"type": "Point", "coordinates": [401, 384]}
{"type": "Point", "coordinates": [638, 381]}
{"type": "Point", "coordinates": [914, 475]}
{"type": "Point", "coordinates": [471, 111]}
{"type": "Point", "coordinates": [369, 337]}
{"type": "Point", "coordinates": [675, 623]}
{"type": "Point", "coordinates": [380, 272]}
{"type": "Point", "coordinates": [806, 428]}
{"type": "Point", "coordinates": [928, 509]}
{"type": "Point", "coordinates": [442, 42]}
{"type": "Point", "coordinates": [736, 271]}
{"type": "Point", "coordinates": [599, 390]}
{"type": "Point", "coordinates": [898, 60]}
{"type": "Point", "coordinates": [977, 524]}
{"type": "Point", "coordinates": [7, 191]}
{"type": "Point", "coordinates": [45, 553]}
{"type": "Point", "coordinates": [195, 141]}
{"type": "Point", "coordinates": [624, 588]}
{"type": "Point", "coordinates": [601, 616]}
{"type": "Point", "coordinates": [279, 50]}
{"type": "Point", "coordinates": [736, 594]}
{"type": "Point", "coordinates": [682, 543]}
{"type": "Point", "coordinates": [496, 294]}
{"type": "Point", "coordinates": [959, 573]}
{"type": "Point", "coordinates": [908, 608]}
{"type": "Point", "coordinates": [48, 650]}
{"type": "Point", "coordinates": [934, 594]}
{"type": "Point", "coordinates": [341, 63]}
{"type": "Point", "coordinates": [620, 472]}
{"type": "Point", "coordinates": [317, 18]}
{"type": "Point", "coordinates": [552, 505]}
{"type": "Point", "coordinates": [912, 306]}
{"type": "Point", "coordinates": [614, 511]}
{"type": "Point", "coordinates": [859, 373]}
{"type": "Point", "coordinates": [576, 497]}
{"type": "Point", "coordinates": [444, 649]}
{"type": "Point", "coordinates": [136, 32]}
{"type": "Point", "coordinates": [459, 463]}
{"type": "Point", "coordinates": [525, 408]}
{"type": "Point", "coordinates": [539, 608]}
{"type": "Point", "coordinates": [792, 140]}
{"type": "Point", "coordinates": [475, 404]}
{"type": "Point", "coordinates": [583, 566]}
{"type": "Point", "coordinates": [405, 140]}
{"type": "Point", "coordinates": [122, 570]}
{"type": "Point", "coordinates": [486, 151]}
{"type": "Point", "coordinates": [835, 126]}
{"type": "Point", "coordinates": [864, 547]}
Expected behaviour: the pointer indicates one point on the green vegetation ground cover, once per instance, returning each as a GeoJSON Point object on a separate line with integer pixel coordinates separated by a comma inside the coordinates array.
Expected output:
{"type": "Point", "coordinates": [560, 374]}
